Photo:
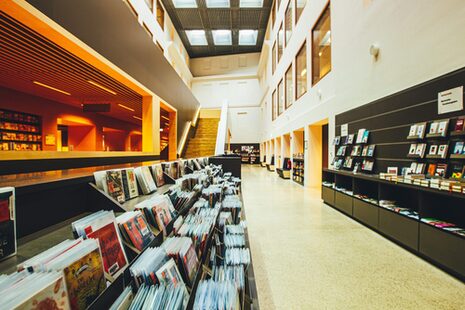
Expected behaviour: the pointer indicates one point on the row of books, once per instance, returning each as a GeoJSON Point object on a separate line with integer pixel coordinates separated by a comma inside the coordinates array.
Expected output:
{"type": "Point", "coordinates": [393, 206]}
{"type": "Point", "coordinates": [436, 128]}
{"type": "Point", "coordinates": [7, 222]}
{"type": "Point", "coordinates": [445, 226]}
{"type": "Point", "coordinates": [357, 150]}
{"type": "Point", "coordinates": [350, 163]}
{"type": "Point", "coordinates": [359, 138]}
{"type": "Point", "coordinates": [81, 268]}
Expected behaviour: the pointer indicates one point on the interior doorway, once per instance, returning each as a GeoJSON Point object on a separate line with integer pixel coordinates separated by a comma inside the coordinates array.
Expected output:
{"type": "Point", "coordinates": [317, 154]}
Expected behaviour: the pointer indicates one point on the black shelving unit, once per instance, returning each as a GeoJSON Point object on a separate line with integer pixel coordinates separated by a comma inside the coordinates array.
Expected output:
{"type": "Point", "coordinates": [20, 131]}
{"type": "Point", "coordinates": [439, 246]}
{"type": "Point", "coordinates": [298, 170]}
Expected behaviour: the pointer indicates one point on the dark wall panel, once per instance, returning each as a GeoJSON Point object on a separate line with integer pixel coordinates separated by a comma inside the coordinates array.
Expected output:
{"type": "Point", "coordinates": [110, 28]}
{"type": "Point", "coordinates": [388, 119]}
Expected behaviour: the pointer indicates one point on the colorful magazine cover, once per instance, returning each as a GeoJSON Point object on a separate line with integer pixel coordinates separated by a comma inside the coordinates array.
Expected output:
{"type": "Point", "coordinates": [85, 280]}
{"type": "Point", "coordinates": [114, 259]}
{"type": "Point", "coordinates": [53, 297]}
{"type": "Point", "coordinates": [115, 185]}
{"type": "Point", "coordinates": [158, 173]}
{"type": "Point", "coordinates": [138, 232]}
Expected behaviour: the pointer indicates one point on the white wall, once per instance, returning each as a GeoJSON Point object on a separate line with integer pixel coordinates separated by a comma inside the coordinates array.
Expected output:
{"type": "Point", "coordinates": [245, 124]}
{"type": "Point", "coordinates": [419, 40]}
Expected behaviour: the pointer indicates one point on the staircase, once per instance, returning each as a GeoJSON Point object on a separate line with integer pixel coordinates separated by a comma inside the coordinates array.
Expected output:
{"type": "Point", "coordinates": [204, 141]}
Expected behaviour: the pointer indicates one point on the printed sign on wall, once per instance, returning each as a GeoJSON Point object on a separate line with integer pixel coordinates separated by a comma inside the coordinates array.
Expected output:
{"type": "Point", "coordinates": [344, 130]}
{"type": "Point", "coordinates": [450, 100]}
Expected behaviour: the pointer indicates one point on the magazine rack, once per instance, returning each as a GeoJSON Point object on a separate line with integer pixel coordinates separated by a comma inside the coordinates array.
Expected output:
{"type": "Point", "coordinates": [437, 245]}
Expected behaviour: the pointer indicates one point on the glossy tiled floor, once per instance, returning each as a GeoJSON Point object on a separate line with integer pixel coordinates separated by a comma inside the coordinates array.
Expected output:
{"type": "Point", "coordinates": [307, 255]}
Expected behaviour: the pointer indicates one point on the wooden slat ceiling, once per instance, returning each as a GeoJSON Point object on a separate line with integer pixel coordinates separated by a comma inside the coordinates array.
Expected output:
{"type": "Point", "coordinates": [233, 18]}
{"type": "Point", "coordinates": [26, 56]}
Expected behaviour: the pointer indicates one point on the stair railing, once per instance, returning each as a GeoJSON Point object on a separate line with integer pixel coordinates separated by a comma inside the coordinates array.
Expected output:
{"type": "Point", "coordinates": [223, 126]}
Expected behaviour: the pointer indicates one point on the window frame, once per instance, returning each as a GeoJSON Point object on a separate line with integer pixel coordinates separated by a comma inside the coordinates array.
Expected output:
{"type": "Point", "coordinates": [290, 5]}
{"type": "Point", "coordinates": [296, 97]}
{"type": "Point", "coordinates": [286, 104]}
{"type": "Point", "coordinates": [160, 7]}
{"type": "Point", "coordinates": [274, 55]}
{"type": "Point", "coordinates": [297, 18]}
{"type": "Point", "coordinates": [280, 29]}
{"type": "Point", "coordinates": [279, 95]}
{"type": "Point", "coordinates": [327, 6]}
{"type": "Point", "coordinates": [273, 105]}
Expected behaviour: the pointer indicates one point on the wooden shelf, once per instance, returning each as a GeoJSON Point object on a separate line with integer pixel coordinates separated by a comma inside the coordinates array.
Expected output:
{"type": "Point", "coordinates": [435, 157]}
{"type": "Point", "coordinates": [436, 135]}
{"type": "Point", "coordinates": [457, 156]}
{"type": "Point", "coordinates": [457, 133]}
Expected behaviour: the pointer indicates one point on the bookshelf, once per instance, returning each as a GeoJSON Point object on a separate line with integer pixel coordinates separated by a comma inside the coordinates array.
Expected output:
{"type": "Point", "coordinates": [360, 197]}
{"type": "Point", "coordinates": [20, 131]}
{"type": "Point", "coordinates": [298, 169]}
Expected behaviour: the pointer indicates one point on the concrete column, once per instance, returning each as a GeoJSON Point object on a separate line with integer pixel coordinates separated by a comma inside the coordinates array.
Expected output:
{"type": "Point", "coordinates": [151, 124]}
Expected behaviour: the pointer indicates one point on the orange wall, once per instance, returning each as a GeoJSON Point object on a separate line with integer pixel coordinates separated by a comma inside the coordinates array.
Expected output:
{"type": "Point", "coordinates": [83, 138]}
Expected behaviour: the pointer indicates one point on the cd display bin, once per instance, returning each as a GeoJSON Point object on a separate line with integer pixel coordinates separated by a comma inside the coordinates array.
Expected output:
{"type": "Point", "coordinates": [357, 195]}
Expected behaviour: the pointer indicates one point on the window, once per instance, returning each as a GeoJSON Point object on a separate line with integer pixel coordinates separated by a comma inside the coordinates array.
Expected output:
{"type": "Point", "coordinates": [321, 46]}
{"type": "Point", "coordinates": [299, 7]}
{"type": "Point", "coordinates": [273, 14]}
{"type": "Point", "coordinates": [273, 105]}
{"type": "Point", "coordinates": [149, 4]}
{"type": "Point", "coordinates": [301, 72]}
{"type": "Point", "coordinates": [288, 21]}
{"type": "Point", "coordinates": [160, 15]}
{"type": "Point", "coordinates": [289, 87]}
{"type": "Point", "coordinates": [280, 42]}
{"type": "Point", "coordinates": [273, 58]}
{"type": "Point", "coordinates": [280, 97]}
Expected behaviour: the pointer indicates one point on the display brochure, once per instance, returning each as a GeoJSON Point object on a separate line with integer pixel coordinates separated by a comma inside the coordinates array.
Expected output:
{"type": "Point", "coordinates": [350, 139]}
{"type": "Point", "coordinates": [371, 150]}
{"type": "Point", "coordinates": [114, 182]}
{"type": "Point", "coordinates": [412, 150]}
{"type": "Point", "coordinates": [413, 130]}
{"type": "Point", "coordinates": [360, 134]}
{"type": "Point", "coordinates": [420, 151]}
{"type": "Point", "coordinates": [433, 149]}
{"type": "Point", "coordinates": [442, 127]}
{"type": "Point", "coordinates": [456, 171]}
{"type": "Point", "coordinates": [459, 148]}
{"type": "Point", "coordinates": [459, 124]}
{"type": "Point", "coordinates": [7, 222]}
{"type": "Point", "coordinates": [441, 170]}
{"type": "Point", "coordinates": [134, 229]}
{"type": "Point", "coordinates": [442, 150]}
{"type": "Point", "coordinates": [146, 182]}
{"type": "Point", "coordinates": [158, 175]}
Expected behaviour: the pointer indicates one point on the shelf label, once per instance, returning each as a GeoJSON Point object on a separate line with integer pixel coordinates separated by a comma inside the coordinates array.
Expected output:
{"type": "Point", "coordinates": [344, 130]}
{"type": "Point", "coordinates": [450, 100]}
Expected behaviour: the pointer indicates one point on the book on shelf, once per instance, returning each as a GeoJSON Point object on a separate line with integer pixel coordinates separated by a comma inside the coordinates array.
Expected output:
{"type": "Point", "coordinates": [114, 180]}
{"type": "Point", "coordinates": [124, 301]}
{"type": "Point", "coordinates": [159, 297]}
{"type": "Point", "coordinates": [459, 124]}
{"type": "Point", "coordinates": [442, 150]}
{"type": "Point", "coordinates": [433, 149]}
{"type": "Point", "coordinates": [129, 183]}
{"type": "Point", "coordinates": [145, 179]}
{"type": "Point", "coordinates": [102, 227]}
{"type": "Point", "coordinates": [413, 148]}
{"type": "Point", "coordinates": [442, 127]}
{"type": "Point", "coordinates": [157, 170]}
{"type": "Point", "coordinates": [367, 165]}
{"type": "Point", "coordinates": [134, 229]}
{"type": "Point", "coordinates": [431, 169]}
{"type": "Point", "coordinates": [80, 263]}
{"type": "Point", "coordinates": [459, 148]}
{"type": "Point", "coordinates": [24, 290]}
{"type": "Point", "coordinates": [421, 130]}
{"type": "Point", "coordinates": [441, 170]}
{"type": "Point", "coordinates": [181, 249]}
{"type": "Point", "coordinates": [366, 134]}
{"type": "Point", "coordinates": [371, 150]}
{"type": "Point", "coordinates": [365, 150]}
{"type": "Point", "coordinates": [420, 150]}
{"type": "Point", "coordinates": [7, 222]}
{"type": "Point", "coordinates": [158, 211]}
{"type": "Point", "coordinates": [350, 139]}
{"type": "Point", "coordinates": [433, 128]}
{"type": "Point", "coordinates": [360, 134]}
{"type": "Point", "coordinates": [336, 140]}
{"type": "Point", "coordinates": [457, 171]}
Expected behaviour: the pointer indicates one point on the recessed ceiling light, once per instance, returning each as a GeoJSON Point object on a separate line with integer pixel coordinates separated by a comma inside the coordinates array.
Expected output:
{"type": "Point", "coordinates": [125, 107]}
{"type": "Point", "coordinates": [218, 4]}
{"type": "Point", "coordinates": [251, 3]}
{"type": "Point", "coordinates": [248, 37]}
{"type": "Point", "coordinates": [51, 87]}
{"type": "Point", "coordinates": [184, 4]}
{"type": "Point", "coordinates": [222, 37]}
{"type": "Point", "coordinates": [102, 87]}
{"type": "Point", "coordinates": [196, 37]}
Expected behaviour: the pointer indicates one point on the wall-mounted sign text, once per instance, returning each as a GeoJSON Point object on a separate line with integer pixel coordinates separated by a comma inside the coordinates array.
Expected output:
{"type": "Point", "coordinates": [450, 100]}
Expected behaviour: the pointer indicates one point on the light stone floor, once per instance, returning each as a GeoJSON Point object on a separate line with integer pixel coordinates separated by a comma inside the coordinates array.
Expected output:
{"type": "Point", "coordinates": [307, 255]}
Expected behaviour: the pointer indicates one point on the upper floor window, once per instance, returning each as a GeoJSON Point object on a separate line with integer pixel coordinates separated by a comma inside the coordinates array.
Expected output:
{"type": "Point", "coordinates": [299, 7]}
{"type": "Point", "coordinates": [280, 42]}
{"type": "Point", "coordinates": [301, 72]}
{"type": "Point", "coordinates": [273, 13]}
{"type": "Point", "coordinates": [321, 46]}
{"type": "Point", "coordinates": [280, 97]}
{"type": "Point", "coordinates": [273, 58]}
{"type": "Point", "coordinates": [160, 15]}
{"type": "Point", "coordinates": [288, 21]}
{"type": "Point", "coordinates": [289, 86]}
{"type": "Point", "coordinates": [273, 105]}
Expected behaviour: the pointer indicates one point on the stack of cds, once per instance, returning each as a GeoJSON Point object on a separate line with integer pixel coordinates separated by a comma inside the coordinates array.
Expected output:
{"type": "Point", "coordinates": [80, 263]}
{"type": "Point", "coordinates": [134, 229]}
{"type": "Point", "coordinates": [154, 266]}
{"type": "Point", "coordinates": [212, 194]}
{"type": "Point", "coordinates": [159, 211]}
{"type": "Point", "coordinates": [234, 274]}
{"type": "Point", "coordinates": [102, 226]}
{"type": "Point", "coordinates": [26, 290]}
{"type": "Point", "coordinates": [181, 249]}
{"type": "Point", "coordinates": [171, 297]}
{"type": "Point", "coordinates": [237, 256]}
{"type": "Point", "coordinates": [216, 295]}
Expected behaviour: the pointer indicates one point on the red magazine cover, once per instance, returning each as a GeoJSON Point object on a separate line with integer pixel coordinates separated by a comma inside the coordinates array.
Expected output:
{"type": "Point", "coordinates": [138, 232]}
{"type": "Point", "coordinates": [112, 251]}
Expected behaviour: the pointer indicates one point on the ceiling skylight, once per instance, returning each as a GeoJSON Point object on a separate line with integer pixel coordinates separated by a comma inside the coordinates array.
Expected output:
{"type": "Point", "coordinates": [218, 3]}
{"type": "Point", "coordinates": [222, 37]}
{"type": "Point", "coordinates": [196, 37]}
{"type": "Point", "coordinates": [184, 4]}
{"type": "Point", "coordinates": [248, 37]}
{"type": "Point", "coordinates": [251, 3]}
